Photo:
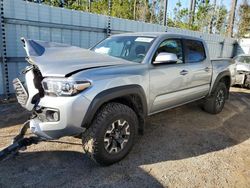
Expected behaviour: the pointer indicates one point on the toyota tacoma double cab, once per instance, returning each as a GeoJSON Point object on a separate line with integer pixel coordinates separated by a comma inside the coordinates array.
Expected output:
{"type": "Point", "coordinates": [105, 93]}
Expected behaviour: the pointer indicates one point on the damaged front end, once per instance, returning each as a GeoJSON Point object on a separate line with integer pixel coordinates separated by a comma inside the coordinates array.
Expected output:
{"type": "Point", "coordinates": [243, 78]}
{"type": "Point", "coordinates": [52, 93]}
{"type": "Point", "coordinates": [29, 94]}
{"type": "Point", "coordinates": [243, 70]}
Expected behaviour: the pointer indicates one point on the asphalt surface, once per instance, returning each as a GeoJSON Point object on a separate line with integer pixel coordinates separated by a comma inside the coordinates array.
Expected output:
{"type": "Point", "coordinates": [182, 147]}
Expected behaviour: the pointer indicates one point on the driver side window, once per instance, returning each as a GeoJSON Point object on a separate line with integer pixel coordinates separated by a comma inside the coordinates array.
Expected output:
{"type": "Point", "coordinates": [171, 46]}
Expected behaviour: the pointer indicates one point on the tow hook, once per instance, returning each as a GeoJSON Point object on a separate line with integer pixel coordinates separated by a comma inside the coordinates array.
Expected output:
{"type": "Point", "coordinates": [19, 143]}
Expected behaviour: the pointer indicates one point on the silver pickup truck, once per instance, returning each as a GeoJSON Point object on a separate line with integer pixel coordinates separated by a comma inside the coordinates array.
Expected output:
{"type": "Point", "coordinates": [105, 93]}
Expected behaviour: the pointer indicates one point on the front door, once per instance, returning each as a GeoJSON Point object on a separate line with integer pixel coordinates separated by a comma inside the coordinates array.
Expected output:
{"type": "Point", "coordinates": [168, 82]}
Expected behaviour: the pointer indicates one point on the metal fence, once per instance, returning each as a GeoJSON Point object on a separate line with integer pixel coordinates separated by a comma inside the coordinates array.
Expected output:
{"type": "Point", "coordinates": [43, 22]}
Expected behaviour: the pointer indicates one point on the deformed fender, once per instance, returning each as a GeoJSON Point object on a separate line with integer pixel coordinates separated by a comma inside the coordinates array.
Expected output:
{"type": "Point", "coordinates": [111, 94]}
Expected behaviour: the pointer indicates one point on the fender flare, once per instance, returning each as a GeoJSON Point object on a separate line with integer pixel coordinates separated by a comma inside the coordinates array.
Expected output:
{"type": "Point", "coordinates": [220, 76]}
{"type": "Point", "coordinates": [111, 94]}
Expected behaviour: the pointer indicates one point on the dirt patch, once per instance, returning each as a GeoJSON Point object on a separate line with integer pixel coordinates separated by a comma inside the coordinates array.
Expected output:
{"type": "Point", "coordinates": [182, 147]}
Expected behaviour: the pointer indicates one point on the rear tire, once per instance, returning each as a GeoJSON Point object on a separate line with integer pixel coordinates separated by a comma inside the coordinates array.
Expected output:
{"type": "Point", "coordinates": [215, 103]}
{"type": "Point", "coordinates": [111, 135]}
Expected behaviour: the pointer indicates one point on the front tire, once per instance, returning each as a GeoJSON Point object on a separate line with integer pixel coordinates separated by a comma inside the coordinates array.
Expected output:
{"type": "Point", "coordinates": [215, 103]}
{"type": "Point", "coordinates": [247, 82]}
{"type": "Point", "coordinates": [111, 135]}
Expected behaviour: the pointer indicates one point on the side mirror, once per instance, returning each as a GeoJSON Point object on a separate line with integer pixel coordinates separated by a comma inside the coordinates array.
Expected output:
{"type": "Point", "coordinates": [165, 57]}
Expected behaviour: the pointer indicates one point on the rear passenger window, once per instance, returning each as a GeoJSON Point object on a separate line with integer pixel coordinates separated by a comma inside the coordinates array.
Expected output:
{"type": "Point", "coordinates": [194, 51]}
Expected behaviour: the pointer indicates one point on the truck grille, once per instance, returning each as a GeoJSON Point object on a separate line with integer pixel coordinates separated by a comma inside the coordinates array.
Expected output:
{"type": "Point", "coordinates": [21, 93]}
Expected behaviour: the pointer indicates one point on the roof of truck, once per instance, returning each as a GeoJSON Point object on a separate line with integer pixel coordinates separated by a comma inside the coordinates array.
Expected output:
{"type": "Point", "coordinates": [160, 34]}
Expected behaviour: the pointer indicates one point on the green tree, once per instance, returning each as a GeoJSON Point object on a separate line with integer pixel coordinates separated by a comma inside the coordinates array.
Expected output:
{"type": "Point", "coordinates": [203, 15]}
{"type": "Point", "coordinates": [244, 20]}
{"type": "Point", "coordinates": [100, 7]}
{"type": "Point", "coordinates": [157, 11]}
{"type": "Point", "coordinates": [52, 2]}
{"type": "Point", "coordinates": [220, 27]}
{"type": "Point", "coordinates": [181, 18]}
{"type": "Point", "coordinates": [143, 11]}
{"type": "Point", "coordinates": [207, 17]}
{"type": "Point", "coordinates": [122, 9]}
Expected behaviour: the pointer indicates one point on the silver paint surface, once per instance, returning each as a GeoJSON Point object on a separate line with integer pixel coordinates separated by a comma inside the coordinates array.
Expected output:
{"type": "Point", "coordinates": [164, 86]}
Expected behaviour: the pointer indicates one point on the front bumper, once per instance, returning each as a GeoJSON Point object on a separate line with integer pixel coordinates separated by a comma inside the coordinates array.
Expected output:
{"type": "Point", "coordinates": [72, 111]}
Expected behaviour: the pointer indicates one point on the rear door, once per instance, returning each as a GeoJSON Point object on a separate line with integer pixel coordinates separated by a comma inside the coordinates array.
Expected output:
{"type": "Point", "coordinates": [199, 69]}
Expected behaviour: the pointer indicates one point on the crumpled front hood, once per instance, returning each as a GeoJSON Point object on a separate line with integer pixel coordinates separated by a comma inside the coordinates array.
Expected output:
{"type": "Point", "coordinates": [60, 60]}
{"type": "Point", "coordinates": [243, 67]}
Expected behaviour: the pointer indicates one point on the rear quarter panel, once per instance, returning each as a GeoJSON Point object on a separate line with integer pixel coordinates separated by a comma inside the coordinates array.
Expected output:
{"type": "Point", "coordinates": [221, 66]}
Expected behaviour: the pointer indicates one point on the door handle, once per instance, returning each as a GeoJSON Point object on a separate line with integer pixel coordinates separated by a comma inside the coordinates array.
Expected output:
{"type": "Point", "coordinates": [207, 69]}
{"type": "Point", "coordinates": [183, 72]}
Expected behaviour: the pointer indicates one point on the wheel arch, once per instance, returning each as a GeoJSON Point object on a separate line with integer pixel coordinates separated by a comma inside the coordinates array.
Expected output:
{"type": "Point", "coordinates": [130, 95]}
{"type": "Point", "coordinates": [224, 77]}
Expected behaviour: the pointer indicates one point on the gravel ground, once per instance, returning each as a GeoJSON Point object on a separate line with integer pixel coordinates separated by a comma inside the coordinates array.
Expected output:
{"type": "Point", "coordinates": [182, 147]}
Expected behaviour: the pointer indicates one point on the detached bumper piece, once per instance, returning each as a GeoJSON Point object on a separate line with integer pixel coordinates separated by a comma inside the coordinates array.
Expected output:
{"type": "Point", "coordinates": [19, 143]}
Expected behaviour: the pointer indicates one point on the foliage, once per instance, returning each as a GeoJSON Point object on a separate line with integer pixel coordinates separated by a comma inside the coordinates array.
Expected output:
{"type": "Point", "coordinates": [181, 15]}
{"type": "Point", "coordinates": [206, 17]}
{"type": "Point", "coordinates": [203, 15]}
{"type": "Point", "coordinates": [244, 22]}
{"type": "Point", "coordinates": [181, 18]}
{"type": "Point", "coordinates": [220, 26]}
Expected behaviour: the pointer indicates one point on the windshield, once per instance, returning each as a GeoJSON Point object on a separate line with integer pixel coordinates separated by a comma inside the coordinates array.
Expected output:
{"type": "Point", "coordinates": [243, 59]}
{"type": "Point", "coordinates": [132, 48]}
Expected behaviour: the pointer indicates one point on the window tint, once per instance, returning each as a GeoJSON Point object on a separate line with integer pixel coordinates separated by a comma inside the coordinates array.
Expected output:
{"type": "Point", "coordinates": [132, 48]}
{"type": "Point", "coordinates": [194, 51]}
{"type": "Point", "coordinates": [171, 46]}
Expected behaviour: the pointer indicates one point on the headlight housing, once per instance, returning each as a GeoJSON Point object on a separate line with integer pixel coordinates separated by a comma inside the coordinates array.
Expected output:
{"type": "Point", "coordinates": [64, 87]}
